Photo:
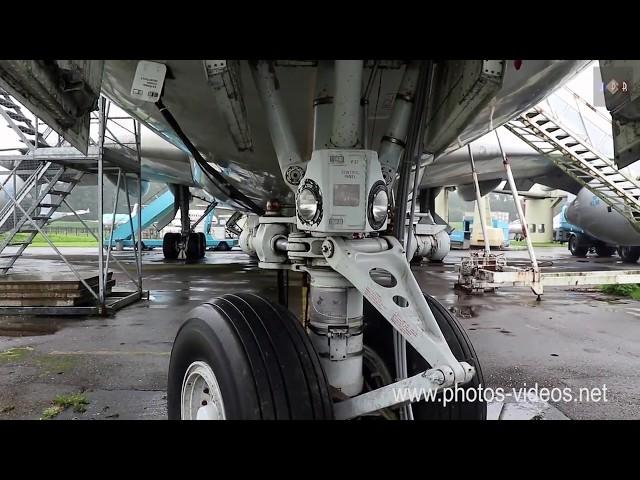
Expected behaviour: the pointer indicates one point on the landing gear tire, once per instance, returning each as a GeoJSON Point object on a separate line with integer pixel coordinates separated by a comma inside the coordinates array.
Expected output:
{"type": "Point", "coordinates": [203, 244]}
{"type": "Point", "coordinates": [193, 246]}
{"type": "Point", "coordinates": [223, 247]}
{"type": "Point", "coordinates": [629, 254]}
{"type": "Point", "coordinates": [378, 335]}
{"type": "Point", "coordinates": [576, 249]}
{"type": "Point", "coordinates": [170, 245]}
{"type": "Point", "coordinates": [243, 357]}
{"type": "Point", "coordinates": [604, 250]}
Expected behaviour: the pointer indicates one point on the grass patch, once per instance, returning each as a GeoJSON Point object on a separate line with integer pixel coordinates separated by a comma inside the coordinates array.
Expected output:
{"type": "Point", "coordinates": [76, 401]}
{"type": "Point", "coordinates": [57, 239]}
{"type": "Point", "coordinates": [51, 412]}
{"type": "Point", "coordinates": [56, 363]}
{"type": "Point", "coordinates": [631, 290]}
{"type": "Point", "coordinates": [14, 354]}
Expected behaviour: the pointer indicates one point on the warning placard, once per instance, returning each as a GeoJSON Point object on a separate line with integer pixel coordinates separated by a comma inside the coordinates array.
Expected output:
{"type": "Point", "coordinates": [148, 81]}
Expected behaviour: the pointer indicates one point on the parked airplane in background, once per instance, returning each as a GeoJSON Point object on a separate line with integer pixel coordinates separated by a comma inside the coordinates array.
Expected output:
{"type": "Point", "coordinates": [60, 215]}
{"type": "Point", "coordinates": [110, 220]}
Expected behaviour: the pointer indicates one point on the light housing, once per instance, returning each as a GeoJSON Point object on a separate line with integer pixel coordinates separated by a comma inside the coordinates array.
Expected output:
{"type": "Point", "coordinates": [309, 203]}
{"type": "Point", "coordinates": [378, 205]}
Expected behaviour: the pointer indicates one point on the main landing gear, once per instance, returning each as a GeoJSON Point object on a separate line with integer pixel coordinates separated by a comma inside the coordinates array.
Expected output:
{"type": "Point", "coordinates": [190, 247]}
{"type": "Point", "coordinates": [187, 245]}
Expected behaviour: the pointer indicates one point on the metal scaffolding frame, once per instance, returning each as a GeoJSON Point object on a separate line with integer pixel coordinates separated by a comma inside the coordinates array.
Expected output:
{"type": "Point", "coordinates": [27, 175]}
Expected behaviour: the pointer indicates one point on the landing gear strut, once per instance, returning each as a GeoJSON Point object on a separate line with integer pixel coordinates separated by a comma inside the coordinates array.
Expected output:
{"type": "Point", "coordinates": [243, 357]}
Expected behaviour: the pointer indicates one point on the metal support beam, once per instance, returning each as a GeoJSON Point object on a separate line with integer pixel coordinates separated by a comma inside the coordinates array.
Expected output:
{"type": "Point", "coordinates": [536, 286]}
{"type": "Point", "coordinates": [138, 136]}
{"type": "Point", "coordinates": [103, 116]}
{"type": "Point", "coordinates": [280, 129]}
{"type": "Point", "coordinates": [487, 247]}
{"type": "Point", "coordinates": [389, 395]}
{"type": "Point", "coordinates": [414, 148]}
{"type": "Point", "coordinates": [393, 142]}
{"type": "Point", "coordinates": [346, 109]}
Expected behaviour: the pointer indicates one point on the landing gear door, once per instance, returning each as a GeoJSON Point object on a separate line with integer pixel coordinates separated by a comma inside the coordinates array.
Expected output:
{"type": "Point", "coordinates": [461, 88]}
{"type": "Point", "coordinates": [62, 93]}
{"type": "Point", "coordinates": [619, 82]}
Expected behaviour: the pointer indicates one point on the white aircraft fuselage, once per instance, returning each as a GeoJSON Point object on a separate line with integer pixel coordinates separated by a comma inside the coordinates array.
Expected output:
{"type": "Point", "coordinates": [255, 171]}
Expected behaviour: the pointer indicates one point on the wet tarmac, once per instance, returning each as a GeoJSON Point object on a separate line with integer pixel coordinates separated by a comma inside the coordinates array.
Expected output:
{"type": "Point", "coordinates": [572, 339]}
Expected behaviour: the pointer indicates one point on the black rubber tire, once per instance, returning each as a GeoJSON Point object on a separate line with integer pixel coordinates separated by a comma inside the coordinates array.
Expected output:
{"type": "Point", "coordinates": [576, 249]}
{"type": "Point", "coordinates": [262, 358]}
{"type": "Point", "coordinates": [203, 244]}
{"type": "Point", "coordinates": [170, 245]}
{"type": "Point", "coordinates": [193, 246]}
{"type": "Point", "coordinates": [629, 254]}
{"type": "Point", "coordinates": [379, 336]}
{"type": "Point", "coordinates": [223, 247]}
{"type": "Point", "coordinates": [605, 250]}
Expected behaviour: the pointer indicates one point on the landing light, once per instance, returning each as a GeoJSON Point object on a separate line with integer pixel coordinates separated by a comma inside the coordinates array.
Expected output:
{"type": "Point", "coordinates": [308, 203]}
{"type": "Point", "coordinates": [378, 205]}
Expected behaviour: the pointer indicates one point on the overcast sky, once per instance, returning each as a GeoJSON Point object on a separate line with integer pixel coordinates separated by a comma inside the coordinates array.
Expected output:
{"type": "Point", "coordinates": [582, 84]}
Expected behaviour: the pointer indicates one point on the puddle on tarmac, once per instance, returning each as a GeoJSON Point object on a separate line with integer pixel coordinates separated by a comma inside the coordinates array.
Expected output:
{"type": "Point", "coordinates": [25, 326]}
{"type": "Point", "coordinates": [464, 311]}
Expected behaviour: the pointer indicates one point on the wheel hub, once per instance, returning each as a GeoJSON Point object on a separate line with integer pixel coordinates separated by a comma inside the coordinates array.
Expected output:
{"type": "Point", "coordinates": [201, 398]}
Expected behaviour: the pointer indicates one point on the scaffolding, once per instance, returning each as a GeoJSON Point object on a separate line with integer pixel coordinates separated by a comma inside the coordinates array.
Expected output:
{"type": "Point", "coordinates": [37, 179]}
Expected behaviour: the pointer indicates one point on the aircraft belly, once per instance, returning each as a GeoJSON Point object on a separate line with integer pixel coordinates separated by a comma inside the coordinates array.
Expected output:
{"type": "Point", "coordinates": [521, 89]}
{"type": "Point", "coordinates": [189, 98]}
{"type": "Point", "coordinates": [256, 172]}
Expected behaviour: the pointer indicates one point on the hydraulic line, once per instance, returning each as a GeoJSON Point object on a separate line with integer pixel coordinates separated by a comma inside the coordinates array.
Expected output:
{"type": "Point", "coordinates": [216, 178]}
{"type": "Point", "coordinates": [414, 147]}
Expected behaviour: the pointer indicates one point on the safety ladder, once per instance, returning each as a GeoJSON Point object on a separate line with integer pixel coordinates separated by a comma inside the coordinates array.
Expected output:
{"type": "Point", "coordinates": [574, 154]}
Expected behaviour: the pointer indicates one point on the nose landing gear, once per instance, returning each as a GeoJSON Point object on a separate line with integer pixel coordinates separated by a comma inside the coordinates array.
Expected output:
{"type": "Point", "coordinates": [247, 358]}
{"type": "Point", "coordinates": [241, 356]}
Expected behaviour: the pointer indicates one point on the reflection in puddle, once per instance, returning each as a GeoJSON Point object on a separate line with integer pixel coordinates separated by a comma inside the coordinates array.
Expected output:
{"type": "Point", "coordinates": [25, 326]}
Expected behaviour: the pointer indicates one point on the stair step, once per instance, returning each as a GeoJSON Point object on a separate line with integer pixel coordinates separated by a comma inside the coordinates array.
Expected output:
{"type": "Point", "coordinates": [18, 243]}
{"type": "Point", "coordinates": [18, 117]}
{"type": "Point", "coordinates": [7, 103]}
{"type": "Point", "coordinates": [69, 178]}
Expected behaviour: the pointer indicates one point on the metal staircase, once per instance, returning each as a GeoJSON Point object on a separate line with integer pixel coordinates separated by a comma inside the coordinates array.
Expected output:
{"type": "Point", "coordinates": [34, 188]}
{"type": "Point", "coordinates": [543, 129]}
{"type": "Point", "coordinates": [22, 125]}
{"type": "Point", "coordinates": [47, 187]}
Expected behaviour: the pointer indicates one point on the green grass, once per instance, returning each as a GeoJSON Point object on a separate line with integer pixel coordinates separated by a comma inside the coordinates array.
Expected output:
{"type": "Point", "coordinates": [77, 401]}
{"type": "Point", "coordinates": [631, 290]}
{"type": "Point", "coordinates": [13, 354]}
{"type": "Point", "coordinates": [58, 240]}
